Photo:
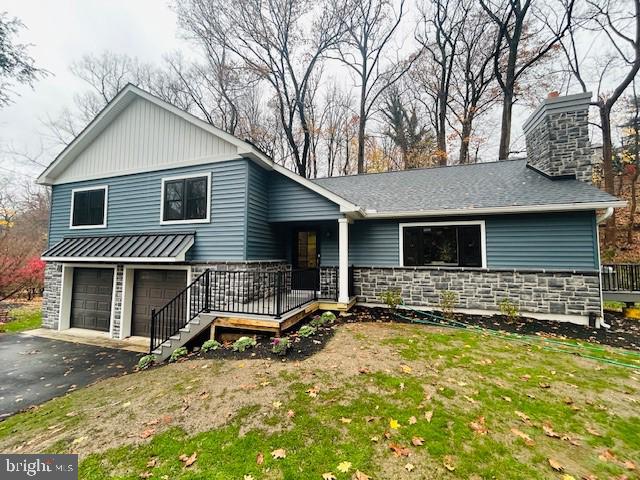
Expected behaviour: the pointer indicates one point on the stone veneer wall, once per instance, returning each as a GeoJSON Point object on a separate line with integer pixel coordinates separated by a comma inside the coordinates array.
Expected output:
{"type": "Point", "coordinates": [565, 293]}
{"type": "Point", "coordinates": [51, 295]}
{"type": "Point", "coordinates": [559, 145]}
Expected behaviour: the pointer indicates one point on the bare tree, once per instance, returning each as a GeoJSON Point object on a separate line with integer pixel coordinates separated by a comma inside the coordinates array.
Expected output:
{"type": "Point", "coordinates": [370, 26]}
{"type": "Point", "coordinates": [16, 65]}
{"type": "Point", "coordinates": [473, 90]}
{"type": "Point", "coordinates": [443, 24]}
{"type": "Point", "coordinates": [336, 117]}
{"type": "Point", "coordinates": [526, 32]}
{"type": "Point", "coordinates": [621, 27]}
{"type": "Point", "coordinates": [281, 42]}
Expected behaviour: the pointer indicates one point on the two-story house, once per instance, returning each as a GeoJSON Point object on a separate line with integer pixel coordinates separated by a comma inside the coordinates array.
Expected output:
{"type": "Point", "coordinates": [162, 224]}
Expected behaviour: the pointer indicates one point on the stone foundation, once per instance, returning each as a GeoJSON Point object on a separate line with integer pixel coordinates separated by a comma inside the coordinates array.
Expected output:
{"type": "Point", "coordinates": [557, 293]}
{"type": "Point", "coordinates": [51, 295]}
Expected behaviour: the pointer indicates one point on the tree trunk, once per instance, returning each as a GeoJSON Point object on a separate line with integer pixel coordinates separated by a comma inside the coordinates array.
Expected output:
{"type": "Point", "coordinates": [607, 170]}
{"type": "Point", "coordinates": [505, 129]}
{"type": "Point", "coordinates": [361, 130]}
{"type": "Point", "coordinates": [442, 132]}
{"type": "Point", "coordinates": [633, 206]}
{"type": "Point", "coordinates": [463, 157]}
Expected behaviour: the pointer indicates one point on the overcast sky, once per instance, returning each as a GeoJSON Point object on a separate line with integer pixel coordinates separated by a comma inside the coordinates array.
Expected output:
{"type": "Point", "coordinates": [61, 31]}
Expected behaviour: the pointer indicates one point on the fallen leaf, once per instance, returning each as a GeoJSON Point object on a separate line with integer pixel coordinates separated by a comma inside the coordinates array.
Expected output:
{"type": "Point", "coordinates": [148, 432]}
{"type": "Point", "coordinates": [526, 438]}
{"type": "Point", "coordinates": [428, 415]}
{"type": "Point", "coordinates": [470, 400]}
{"type": "Point", "coordinates": [345, 420]}
{"type": "Point", "coordinates": [248, 477]}
{"type": "Point", "coordinates": [413, 420]}
{"type": "Point", "coordinates": [393, 424]}
{"type": "Point", "coordinates": [313, 392]}
{"type": "Point", "coordinates": [479, 426]}
{"type": "Point", "coordinates": [556, 465]}
{"type": "Point", "coordinates": [358, 475]}
{"type": "Point", "coordinates": [405, 368]}
{"type": "Point", "coordinates": [399, 450]}
{"type": "Point", "coordinates": [291, 414]}
{"type": "Point", "coordinates": [568, 477]}
{"type": "Point", "coordinates": [544, 385]}
{"type": "Point", "coordinates": [607, 455]}
{"type": "Point", "coordinates": [573, 441]}
{"type": "Point", "coordinates": [279, 453]}
{"type": "Point", "coordinates": [629, 465]}
{"type": "Point", "coordinates": [146, 475]}
{"type": "Point", "coordinates": [523, 417]}
{"type": "Point", "coordinates": [126, 404]}
{"type": "Point", "coordinates": [328, 476]}
{"type": "Point", "coordinates": [188, 461]}
{"type": "Point", "coordinates": [507, 399]}
{"type": "Point", "coordinates": [277, 404]}
{"type": "Point", "coordinates": [259, 458]}
{"type": "Point", "coordinates": [548, 430]}
{"type": "Point", "coordinates": [363, 370]}
{"type": "Point", "coordinates": [375, 439]}
{"type": "Point", "coordinates": [344, 467]}
{"type": "Point", "coordinates": [417, 441]}
{"type": "Point", "coordinates": [152, 463]}
{"type": "Point", "coordinates": [409, 467]}
{"type": "Point", "coordinates": [449, 463]}
{"type": "Point", "coordinates": [594, 432]}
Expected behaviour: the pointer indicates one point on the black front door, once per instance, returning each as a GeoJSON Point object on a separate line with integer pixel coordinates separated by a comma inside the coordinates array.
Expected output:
{"type": "Point", "coordinates": [306, 260]}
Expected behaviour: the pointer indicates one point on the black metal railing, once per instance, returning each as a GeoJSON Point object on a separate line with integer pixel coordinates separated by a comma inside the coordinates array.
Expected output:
{"type": "Point", "coordinates": [621, 277]}
{"type": "Point", "coordinates": [243, 292]}
{"type": "Point", "coordinates": [184, 307]}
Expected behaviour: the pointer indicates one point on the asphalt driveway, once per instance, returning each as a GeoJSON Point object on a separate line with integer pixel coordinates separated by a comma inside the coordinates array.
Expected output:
{"type": "Point", "coordinates": [35, 369]}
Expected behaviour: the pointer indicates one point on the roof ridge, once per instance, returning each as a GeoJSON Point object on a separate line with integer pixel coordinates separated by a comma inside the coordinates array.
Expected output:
{"type": "Point", "coordinates": [436, 167]}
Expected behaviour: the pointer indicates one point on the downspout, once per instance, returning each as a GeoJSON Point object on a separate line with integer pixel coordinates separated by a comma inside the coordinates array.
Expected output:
{"type": "Point", "coordinates": [603, 217]}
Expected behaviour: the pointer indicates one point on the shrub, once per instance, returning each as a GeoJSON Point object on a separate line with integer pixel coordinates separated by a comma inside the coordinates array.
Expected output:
{"type": "Point", "coordinates": [280, 345]}
{"type": "Point", "coordinates": [241, 344]}
{"type": "Point", "coordinates": [509, 309]}
{"type": "Point", "coordinates": [306, 331]}
{"type": "Point", "coordinates": [328, 317]}
{"type": "Point", "coordinates": [210, 345]}
{"type": "Point", "coordinates": [392, 298]}
{"type": "Point", "coordinates": [146, 361]}
{"type": "Point", "coordinates": [448, 302]}
{"type": "Point", "coordinates": [317, 321]}
{"type": "Point", "coordinates": [178, 353]}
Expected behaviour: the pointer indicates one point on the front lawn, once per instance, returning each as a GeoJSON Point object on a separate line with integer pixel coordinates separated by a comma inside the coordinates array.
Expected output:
{"type": "Point", "coordinates": [383, 400]}
{"type": "Point", "coordinates": [23, 318]}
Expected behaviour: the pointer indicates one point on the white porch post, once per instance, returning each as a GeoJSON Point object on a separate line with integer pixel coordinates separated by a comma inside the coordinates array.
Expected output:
{"type": "Point", "coordinates": [343, 263]}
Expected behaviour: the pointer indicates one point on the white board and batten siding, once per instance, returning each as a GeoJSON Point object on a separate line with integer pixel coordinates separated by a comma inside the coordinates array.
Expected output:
{"type": "Point", "coordinates": [142, 138]}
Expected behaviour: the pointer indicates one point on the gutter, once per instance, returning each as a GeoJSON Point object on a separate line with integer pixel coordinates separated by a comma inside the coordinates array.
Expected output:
{"type": "Point", "coordinates": [603, 217]}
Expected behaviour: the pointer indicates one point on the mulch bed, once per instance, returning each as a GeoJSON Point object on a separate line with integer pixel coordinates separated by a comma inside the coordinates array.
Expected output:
{"type": "Point", "coordinates": [623, 333]}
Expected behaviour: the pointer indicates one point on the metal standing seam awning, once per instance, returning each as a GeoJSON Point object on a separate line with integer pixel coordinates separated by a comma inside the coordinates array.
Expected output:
{"type": "Point", "coordinates": [144, 247]}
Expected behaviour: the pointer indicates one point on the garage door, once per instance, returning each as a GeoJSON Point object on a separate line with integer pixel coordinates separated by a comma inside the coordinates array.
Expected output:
{"type": "Point", "coordinates": [153, 289]}
{"type": "Point", "coordinates": [91, 298]}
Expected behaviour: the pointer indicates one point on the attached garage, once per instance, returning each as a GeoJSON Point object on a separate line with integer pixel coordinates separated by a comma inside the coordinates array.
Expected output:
{"type": "Point", "coordinates": [91, 298]}
{"type": "Point", "coordinates": [152, 289]}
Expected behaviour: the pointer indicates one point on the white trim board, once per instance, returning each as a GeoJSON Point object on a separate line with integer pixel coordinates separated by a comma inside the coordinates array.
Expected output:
{"type": "Point", "coordinates": [164, 180]}
{"type": "Point", "coordinates": [483, 238]}
{"type": "Point", "coordinates": [105, 208]}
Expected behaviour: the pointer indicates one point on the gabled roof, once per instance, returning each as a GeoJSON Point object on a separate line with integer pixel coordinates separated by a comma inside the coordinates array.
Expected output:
{"type": "Point", "coordinates": [495, 187]}
{"type": "Point", "coordinates": [126, 96]}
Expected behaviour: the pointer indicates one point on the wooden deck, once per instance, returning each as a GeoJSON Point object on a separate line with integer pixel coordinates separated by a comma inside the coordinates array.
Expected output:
{"type": "Point", "coordinates": [271, 324]}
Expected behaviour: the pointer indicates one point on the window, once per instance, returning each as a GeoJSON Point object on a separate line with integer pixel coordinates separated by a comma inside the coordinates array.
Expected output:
{"type": "Point", "coordinates": [89, 207]}
{"type": "Point", "coordinates": [185, 199]}
{"type": "Point", "coordinates": [443, 244]}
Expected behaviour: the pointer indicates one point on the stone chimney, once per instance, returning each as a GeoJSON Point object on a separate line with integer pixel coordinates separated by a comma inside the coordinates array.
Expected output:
{"type": "Point", "coordinates": [557, 136]}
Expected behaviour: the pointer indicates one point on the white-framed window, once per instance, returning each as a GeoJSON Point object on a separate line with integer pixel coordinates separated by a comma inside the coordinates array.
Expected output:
{"type": "Point", "coordinates": [89, 207]}
{"type": "Point", "coordinates": [443, 244]}
{"type": "Point", "coordinates": [186, 199]}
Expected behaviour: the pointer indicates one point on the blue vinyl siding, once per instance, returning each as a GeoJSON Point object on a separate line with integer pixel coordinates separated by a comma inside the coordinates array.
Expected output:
{"type": "Point", "coordinates": [263, 242]}
{"type": "Point", "coordinates": [290, 202]}
{"type": "Point", "coordinates": [134, 206]}
{"type": "Point", "coordinates": [562, 241]}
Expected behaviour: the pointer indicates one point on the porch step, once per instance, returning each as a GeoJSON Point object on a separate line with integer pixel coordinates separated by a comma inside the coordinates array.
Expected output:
{"type": "Point", "coordinates": [192, 329]}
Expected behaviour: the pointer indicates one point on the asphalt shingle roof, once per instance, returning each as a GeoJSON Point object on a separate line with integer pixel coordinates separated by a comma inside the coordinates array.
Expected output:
{"type": "Point", "coordinates": [483, 185]}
